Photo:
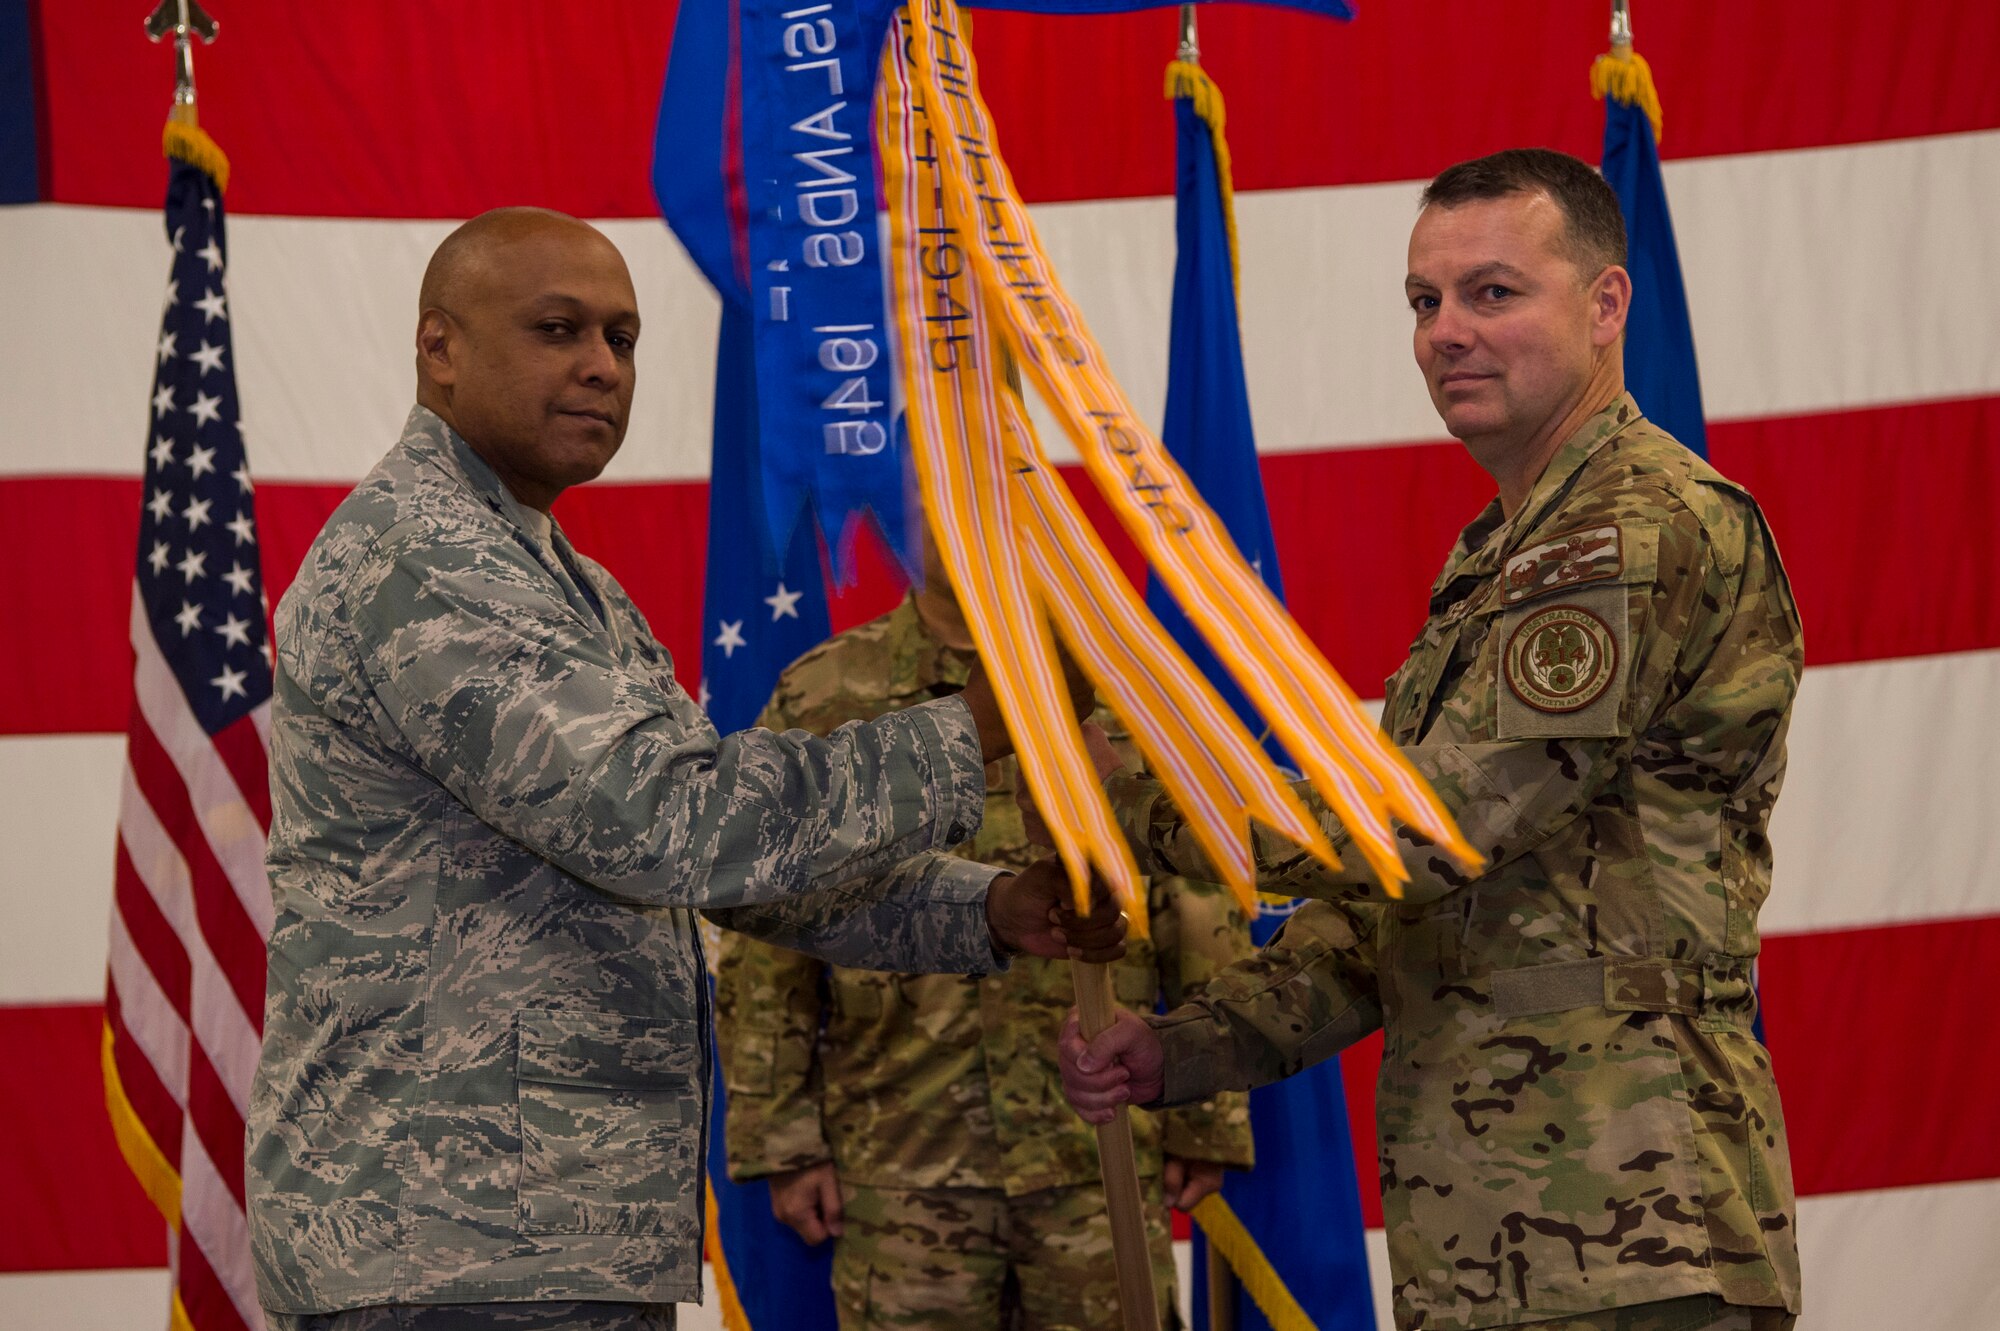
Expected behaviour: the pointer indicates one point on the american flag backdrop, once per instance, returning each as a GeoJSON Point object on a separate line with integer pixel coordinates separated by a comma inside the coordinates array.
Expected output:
{"type": "Point", "coordinates": [1833, 175]}
{"type": "Point", "coordinates": [190, 908]}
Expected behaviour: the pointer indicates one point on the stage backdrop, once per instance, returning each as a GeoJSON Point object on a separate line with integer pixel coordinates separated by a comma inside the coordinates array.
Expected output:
{"type": "Point", "coordinates": [1833, 172]}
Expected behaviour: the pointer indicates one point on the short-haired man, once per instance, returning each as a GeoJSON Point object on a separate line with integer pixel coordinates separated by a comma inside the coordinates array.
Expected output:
{"type": "Point", "coordinates": [1577, 1127]}
{"type": "Point", "coordinates": [484, 1081]}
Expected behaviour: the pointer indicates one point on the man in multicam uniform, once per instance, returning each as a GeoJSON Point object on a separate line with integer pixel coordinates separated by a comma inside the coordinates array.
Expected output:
{"type": "Point", "coordinates": [1577, 1127]}
{"type": "Point", "coordinates": [923, 1128]}
{"type": "Point", "coordinates": [482, 1095]}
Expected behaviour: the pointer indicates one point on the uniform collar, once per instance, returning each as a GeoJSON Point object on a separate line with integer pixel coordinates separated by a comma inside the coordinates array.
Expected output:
{"type": "Point", "coordinates": [1489, 538]}
{"type": "Point", "coordinates": [427, 436]}
{"type": "Point", "coordinates": [1548, 491]}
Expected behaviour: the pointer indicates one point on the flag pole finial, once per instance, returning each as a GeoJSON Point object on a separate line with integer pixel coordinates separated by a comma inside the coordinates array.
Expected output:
{"type": "Point", "coordinates": [1189, 50]}
{"type": "Point", "coordinates": [183, 139]}
{"type": "Point", "coordinates": [186, 20]}
{"type": "Point", "coordinates": [1623, 73]}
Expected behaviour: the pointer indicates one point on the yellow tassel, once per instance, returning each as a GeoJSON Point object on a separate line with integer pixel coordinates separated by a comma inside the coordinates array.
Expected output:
{"type": "Point", "coordinates": [1624, 74]}
{"type": "Point", "coordinates": [186, 142]}
{"type": "Point", "coordinates": [733, 1316]}
{"type": "Point", "coordinates": [1260, 1280]}
{"type": "Point", "coordinates": [1189, 80]}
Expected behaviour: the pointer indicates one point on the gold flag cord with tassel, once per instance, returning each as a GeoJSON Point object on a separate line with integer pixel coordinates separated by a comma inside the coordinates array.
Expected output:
{"type": "Point", "coordinates": [1188, 81]}
{"type": "Point", "coordinates": [1623, 75]}
{"type": "Point", "coordinates": [1261, 1281]}
{"type": "Point", "coordinates": [185, 141]}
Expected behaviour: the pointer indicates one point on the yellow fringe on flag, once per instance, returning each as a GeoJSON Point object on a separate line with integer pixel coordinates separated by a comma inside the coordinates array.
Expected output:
{"type": "Point", "coordinates": [143, 1155]}
{"type": "Point", "coordinates": [1189, 80]}
{"type": "Point", "coordinates": [1622, 73]}
{"type": "Point", "coordinates": [733, 1316]}
{"type": "Point", "coordinates": [1261, 1280]}
{"type": "Point", "coordinates": [178, 1319]}
{"type": "Point", "coordinates": [185, 142]}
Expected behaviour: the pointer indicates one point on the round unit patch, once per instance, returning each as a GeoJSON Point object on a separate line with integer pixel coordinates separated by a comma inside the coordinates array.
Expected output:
{"type": "Point", "coordinates": [1561, 659]}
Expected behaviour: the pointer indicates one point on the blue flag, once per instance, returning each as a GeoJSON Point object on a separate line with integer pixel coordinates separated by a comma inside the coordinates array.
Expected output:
{"type": "Point", "coordinates": [760, 612]}
{"type": "Point", "coordinates": [762, 607]}
{"type": "Point", "coordinates": [1300, 1204]}
{"type": "Point", "coordinates": [1659, 341]}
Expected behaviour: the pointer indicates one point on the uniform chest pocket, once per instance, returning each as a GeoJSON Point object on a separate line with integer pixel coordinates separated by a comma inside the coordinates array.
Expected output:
{"type": "Point", "coordinates": [611, 1122]}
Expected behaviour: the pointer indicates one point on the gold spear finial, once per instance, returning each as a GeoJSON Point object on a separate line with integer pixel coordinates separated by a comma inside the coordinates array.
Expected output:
{"type": "Point", "coordinates": [186, 20]}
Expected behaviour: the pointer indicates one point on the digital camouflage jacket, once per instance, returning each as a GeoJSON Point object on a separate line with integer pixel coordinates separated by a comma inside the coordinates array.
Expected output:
{"type": "Point", "coordinates": [1573, 1112]}
{"type": "Point", "coordinates": [943, 1081]}
{"type": "Point", "coordinates": [484, 1072]}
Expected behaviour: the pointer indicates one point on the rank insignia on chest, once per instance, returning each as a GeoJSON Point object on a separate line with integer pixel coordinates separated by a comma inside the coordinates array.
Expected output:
{"type": "Point", "coordinates": [1561, 659]}
{"type": "Point", "coordinates": [1590, 554]}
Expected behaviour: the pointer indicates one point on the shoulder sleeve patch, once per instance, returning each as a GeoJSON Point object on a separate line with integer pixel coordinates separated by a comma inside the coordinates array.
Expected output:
{"type": "Point", "coordinates": [1564, 664]}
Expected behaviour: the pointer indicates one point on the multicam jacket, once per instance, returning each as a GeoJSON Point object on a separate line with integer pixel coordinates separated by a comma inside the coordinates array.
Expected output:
{"type": "Point", "coordinates": [943, 1081]}
{"type": "Point", "coordinates": [1573, 1112]}
{"type": "Point", "coordinates": [485, 1062]}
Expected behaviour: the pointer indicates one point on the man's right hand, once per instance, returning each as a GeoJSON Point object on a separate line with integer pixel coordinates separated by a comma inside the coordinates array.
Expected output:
{"type": "Point", "coordinates": [1124, 1065]}
{"type": "Point", "coordinates": [809, 1201]}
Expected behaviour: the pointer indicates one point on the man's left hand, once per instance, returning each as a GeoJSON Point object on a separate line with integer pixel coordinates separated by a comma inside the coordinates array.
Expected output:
{"type": "Point", "coordinates": [1033, 912]}
{"type": "Point", "coordinates": [1188, 1181]}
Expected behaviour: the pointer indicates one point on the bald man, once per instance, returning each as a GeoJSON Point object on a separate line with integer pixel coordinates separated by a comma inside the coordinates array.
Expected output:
{"type": "Point", "coordinates": [483, 1089]}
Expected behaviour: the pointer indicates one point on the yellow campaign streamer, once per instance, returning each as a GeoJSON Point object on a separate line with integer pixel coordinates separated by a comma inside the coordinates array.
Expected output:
{"type": "Point", "coordinates": [957, 440]}
{"type": "Point", "coordinates": [1151, 682]}
{"type": "Point", "coordinates": [938, 150]}
{"type": "Point", "coordinates": [1365, 780]}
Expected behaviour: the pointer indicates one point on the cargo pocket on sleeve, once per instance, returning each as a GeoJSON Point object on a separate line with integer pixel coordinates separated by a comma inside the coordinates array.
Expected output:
{"type": "Point", "coordinates": [610, 1123]}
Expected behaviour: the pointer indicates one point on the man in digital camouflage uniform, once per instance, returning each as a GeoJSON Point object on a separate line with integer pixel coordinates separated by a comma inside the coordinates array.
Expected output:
{"type": "Point", "coordinates": [482, 1095]}
{"type": "Point", "coordinates": [1577, 1127]}
{"type": "Point", "coordinates": [924, 1127]}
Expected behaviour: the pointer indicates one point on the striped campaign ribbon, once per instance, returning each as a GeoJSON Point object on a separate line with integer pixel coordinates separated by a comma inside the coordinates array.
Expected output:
{"type": "Point", "coordinates": [963, 253]}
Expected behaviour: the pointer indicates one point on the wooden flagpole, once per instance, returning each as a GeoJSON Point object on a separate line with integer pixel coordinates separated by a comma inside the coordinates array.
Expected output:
{"type": "Point", "coordinates": [1096, 1009]}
